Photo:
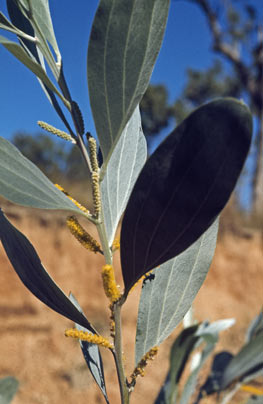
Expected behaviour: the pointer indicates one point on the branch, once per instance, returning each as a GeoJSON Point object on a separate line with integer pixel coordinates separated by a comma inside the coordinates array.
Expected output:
{"type": "Point", "coordinates": [230, 52]}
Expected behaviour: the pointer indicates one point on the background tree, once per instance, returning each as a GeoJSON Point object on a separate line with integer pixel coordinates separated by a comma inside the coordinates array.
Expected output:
{"type": "Point", "coordinates": [237, 38]}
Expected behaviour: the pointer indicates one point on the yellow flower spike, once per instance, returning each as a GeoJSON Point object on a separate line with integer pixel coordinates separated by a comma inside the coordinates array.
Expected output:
{"type": "Point", "coordinates": [82, 235]}
{"type": "Point", "coordinates": [85, 210]}
{"type": "Point", "coordinates": [91, 338]}
{"type": "Point", "coordinates": [109, 284]}
{"type": "Point", "coordinates": [116, 244]}
{"type": "Point", "coordinates": [55, 131]}
{"type": "Point", "coordinates": [140, 368]}
{"type": "Point", "coordinates": [252, 390]}
{"type": "Point", "coordinates": [141, 279]}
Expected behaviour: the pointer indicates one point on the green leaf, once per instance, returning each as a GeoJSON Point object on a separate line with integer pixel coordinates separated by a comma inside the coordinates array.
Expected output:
{"type": "Point", "coordinates": [169, 291]}
{"type": "Point", "coordinates": [190, 385]}
{"type": "Point", "coordinates": [92, 356]}
{"type": "Point", "coordinates": [184, 186]}
{"type": "Point", "coordinates": [255, 328]}
{"type": "Point", "coordinates": [8, 388]}
{"type": "Point", "coordinates": [41, 17]}
{"type": "Point", "coordinates": [125, 40]}
{"type": "Point", "coordinates": [23, 183]}
{"type": "Point", "coordinates": [248, 358]}
{"type": "Point", "coordinates": [209, 334]}
{"type": "Point", "coordinates": [122, 171]}
{"type": "Point", "coordinates": [28, 267]}
{"type": "Point", "coordinates": [29, 62]}
{"type": "Point", "coordinates": [213, 381]}
{"type": "Point", "coordinates": [255, 400]}
{"type": "Point", "coordinates": [187, 341]}
{"type": "Point", "coordinates": [180, 352]}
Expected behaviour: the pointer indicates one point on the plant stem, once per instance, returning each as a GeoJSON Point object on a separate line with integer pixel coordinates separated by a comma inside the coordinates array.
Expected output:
{"type": "Point", "coordinates": [118, 354]}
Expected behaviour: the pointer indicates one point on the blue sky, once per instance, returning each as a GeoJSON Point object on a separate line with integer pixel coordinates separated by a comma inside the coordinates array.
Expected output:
{"type": "Point", "coordinates": [22, 102]}
{"type": "Point", "coordinates": [187, 43]}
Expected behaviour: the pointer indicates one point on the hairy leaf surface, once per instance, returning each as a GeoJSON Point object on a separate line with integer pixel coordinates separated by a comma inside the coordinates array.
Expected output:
{"type": "Point", "coordinates": [122, 171]}
{"type": "Point", "coordinates": [184, 185]}
{"type": "Point", "coordinates": [91, 355]}
{"type": "Point", "coordinates": [169, 291]}
{"type": "Point", "coordinates": [23, 183]}
{"type": "Point", "coordinates": [125, 40]}
{"type": "Point", "coordinates": [28, 267]}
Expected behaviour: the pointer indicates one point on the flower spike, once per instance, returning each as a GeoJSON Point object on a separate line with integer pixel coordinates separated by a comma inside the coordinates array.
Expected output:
{"type": "Point", "coordinates": [91, 338]}
{"type": "Point", "coordinates": [82, 235]}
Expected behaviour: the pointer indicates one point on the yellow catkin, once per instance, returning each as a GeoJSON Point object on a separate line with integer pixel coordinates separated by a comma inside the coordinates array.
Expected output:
{"type": "Point", "coordinates": [82, 235]}
{"type": "Point", "coordinates": [252, 390]}
{"type": "Point", "coordinates": [116, 244]}
{"type": "Point", "coordinates": [85, 210]}
{"type": "Point", "coordinates": [96, 193]}
{"type": "Point", "coordinates": [55, 131]}
{"type": "Point", "coordinates": [140, 368]}
{"type": "Point", "coordinates": [86, 336]}
{"type": "Point", "coordinates": [109, 283]}
{"type": "Point", "coordinates": [140, 280]}
{"type": "Point", "coordinates": [93, 154]}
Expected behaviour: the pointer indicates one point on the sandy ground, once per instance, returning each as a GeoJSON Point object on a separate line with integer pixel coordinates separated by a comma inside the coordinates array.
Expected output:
{"type": "Point", "coordinates": [51, 368]}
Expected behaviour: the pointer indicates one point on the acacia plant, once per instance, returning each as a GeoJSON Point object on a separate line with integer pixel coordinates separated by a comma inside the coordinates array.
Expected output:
{"type": "Point", "coordinates": [171, 202]}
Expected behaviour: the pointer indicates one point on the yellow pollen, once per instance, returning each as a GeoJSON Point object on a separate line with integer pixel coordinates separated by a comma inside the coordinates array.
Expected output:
{"type": "Point", "coordinates": [85, 210]}
{"type": "Point", "coordinates": [140, 280]}
{"type": "Point", "coordinates": [252, 390]}
{"type": "Point", "coordinates": [140, 368]}
{"type": "Point", "coordinates": [109, 283]}
{"type": "Point", "coordinates": [86, 336]}
{"type": "Point", "coordinates": [116, 244]}
{"type": "Point", "coordinates": [82, 235]}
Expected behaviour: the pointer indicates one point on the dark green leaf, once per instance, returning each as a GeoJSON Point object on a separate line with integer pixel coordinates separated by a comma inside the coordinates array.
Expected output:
{"type": "Point", "coordinates": [28, 267]}
{"type": "Point", "coordinates": [248, 359]}
{"type": "Point", "coordinates": [23, 183]}
{"type": "Point", "coordinates": [169, 291]}
{"type": "Point", "coordinates": [213, 381]}
{"type": "Point", "coordinates": [92, 356]}
{"type": "Point", "coordinates": [8, 388]}
{"type": "Point", "coordinates": [125, 40]}
{"type": "Point", "coordinates": [184, 186]}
